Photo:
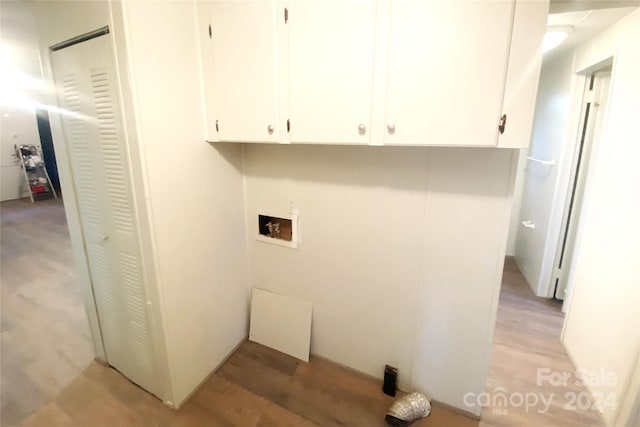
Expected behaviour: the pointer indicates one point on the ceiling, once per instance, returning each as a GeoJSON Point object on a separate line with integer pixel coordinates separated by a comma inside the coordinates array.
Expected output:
{"type": "Point", "coordinates": [562, 6]}
{"type": "Point", "coordinates": [586, 23]}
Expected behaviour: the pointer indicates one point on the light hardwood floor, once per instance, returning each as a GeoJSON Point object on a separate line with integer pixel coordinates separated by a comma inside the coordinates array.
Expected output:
{"type": "Point", "coordinates": [527, 338]}
{"type": "Point", "coordinates": [50, 347]}
{"type": "Point", "coordinates": [44, 338]}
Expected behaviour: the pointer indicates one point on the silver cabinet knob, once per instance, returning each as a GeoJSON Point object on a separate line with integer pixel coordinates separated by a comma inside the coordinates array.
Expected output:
{"type": "Point", "coordinates": [362, 129]}
{"type": "Point", "coordinates": [391, 128]}
{"type": "Point", "coordinates": [270, 129]}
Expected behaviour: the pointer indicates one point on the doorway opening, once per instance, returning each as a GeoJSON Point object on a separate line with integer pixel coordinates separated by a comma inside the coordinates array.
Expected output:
{"type": "Point", "coordinates": [590, 130]}
{"type": "Point", "coordinates": [557, 171]}
{"type": "Point", "coordinates": [45, 337]}
{"type": "Point", "coordinates": [527, 337]}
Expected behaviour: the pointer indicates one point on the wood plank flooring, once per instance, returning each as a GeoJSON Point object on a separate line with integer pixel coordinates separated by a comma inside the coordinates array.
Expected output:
{"type": "Point", "coordinates": [44, 335]}
{"type": "Point", "coordinates": [526, 338]}
{"type": "Point", "coordinates": [45, 346]}
{"type": "Point", "coordinates": [257, 386]}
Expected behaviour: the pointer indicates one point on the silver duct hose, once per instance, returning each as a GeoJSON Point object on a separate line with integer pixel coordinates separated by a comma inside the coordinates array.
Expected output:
{"type": "Point", "coordinates": [407, 409]}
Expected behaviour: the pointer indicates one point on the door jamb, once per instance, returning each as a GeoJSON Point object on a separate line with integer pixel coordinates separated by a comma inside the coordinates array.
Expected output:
{"type": "Point", "coordinates": [564, 174]}
{"type": "Point", "coordinates": [586, 144]}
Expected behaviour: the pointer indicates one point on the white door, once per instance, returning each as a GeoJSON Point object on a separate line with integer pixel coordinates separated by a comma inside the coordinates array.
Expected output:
{"type": "Point", "coordinates": [591, 129]}
{"type": "Point", "coordinates": [88, 95]}
{"type": "Point", "coordinates": [331, 62]}
{"type": "Point", "coordinates": [245, 69]}
{"type": "Point", "coordinates": [447, 67]}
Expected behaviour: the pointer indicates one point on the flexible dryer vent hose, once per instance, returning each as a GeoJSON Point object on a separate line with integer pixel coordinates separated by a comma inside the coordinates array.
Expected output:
{"type": "Point", "coordinates": [407, 409]}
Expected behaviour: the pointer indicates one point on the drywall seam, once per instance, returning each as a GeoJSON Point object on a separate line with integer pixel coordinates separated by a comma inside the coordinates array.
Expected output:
{"type": "Point", "coordinates": [247, 234]}
{"type": "Point", "coordinates": [421, 288]}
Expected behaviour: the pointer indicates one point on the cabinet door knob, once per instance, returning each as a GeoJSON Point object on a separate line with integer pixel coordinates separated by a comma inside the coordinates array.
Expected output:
{"type": "Point", "coordinates": [362, 129]}
{"type": "Point", "coordinates": [270, 129]}
{"type": "Point", "coordinates": [391, 128]}
{"type": "Point", "coordinates": [104, 238]}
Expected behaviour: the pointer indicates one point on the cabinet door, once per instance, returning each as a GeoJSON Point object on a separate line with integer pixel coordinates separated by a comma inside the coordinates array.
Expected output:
{"type": "Point", "coordinates": [243, 43]}
{"type": "Point", "coordinates": [447, 65]}
{"type": "Point", "coordinates": [331, 54]}
{"type": "Point", "coordinates": [208, 85]}
{"type": "Point", "coordinates": [523, 73]}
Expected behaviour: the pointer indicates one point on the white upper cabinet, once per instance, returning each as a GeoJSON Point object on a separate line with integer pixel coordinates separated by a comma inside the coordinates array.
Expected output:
{"type": "Point", "coordinates": [243, 70]}
{"type": "Point", "coordinates": [523, 72]}
{"type": "Point", "coordinates": [379, 72]}
{"type": "Point", "coordinates": [447, 64]}
{"type": "Point", "coordinates": [206, 63]}
{"type": "Point", "coordinates": [331, 58]}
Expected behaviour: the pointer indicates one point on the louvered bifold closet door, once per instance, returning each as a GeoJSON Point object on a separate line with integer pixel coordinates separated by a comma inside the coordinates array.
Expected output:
{"type": "Point", "coordinates": [92, 121]}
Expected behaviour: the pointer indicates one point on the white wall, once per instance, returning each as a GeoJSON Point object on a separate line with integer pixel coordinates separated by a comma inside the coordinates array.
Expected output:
{"type": "Point", "coordinates": [629, 414]}
{"type": "Point", "coordinates": [18, 126]}
{"type": "Point", "coordinates": [20, 82]}
{"type": "Point", "coordinates": [518, 167]}
{"type": "Point", "coordinates": [401, 254]}
{"type": "Point", "coordinates": [523, 76]}
{"type": "Point", "coordinates": [602, 329]}
{"type": "Point", "coordinates": [195, 195]}
{"type": "Point", "coordinates": [551, 139]}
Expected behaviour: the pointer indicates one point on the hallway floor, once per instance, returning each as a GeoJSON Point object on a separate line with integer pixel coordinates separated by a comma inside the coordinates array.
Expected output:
{"type": "Point", "coordinates": [47, 356]}
{"type": "Point", "coordinates": [527, 338]}
{"type": "Point", "coordinates": [45, 340]}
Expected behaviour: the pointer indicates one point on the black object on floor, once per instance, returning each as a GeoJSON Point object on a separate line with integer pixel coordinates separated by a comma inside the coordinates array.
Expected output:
{"type": "Point", "coordinates": [390, 380]}
{"type": "Point", "coordinates": [394, 421]}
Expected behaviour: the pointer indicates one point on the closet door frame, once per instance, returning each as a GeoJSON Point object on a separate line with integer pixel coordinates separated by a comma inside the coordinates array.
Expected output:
{"type": "Point", "coordinates": [140, 204]}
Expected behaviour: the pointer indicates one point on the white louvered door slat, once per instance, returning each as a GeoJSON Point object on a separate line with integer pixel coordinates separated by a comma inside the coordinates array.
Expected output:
{"type": "Point", "coordinates": [92, 122]}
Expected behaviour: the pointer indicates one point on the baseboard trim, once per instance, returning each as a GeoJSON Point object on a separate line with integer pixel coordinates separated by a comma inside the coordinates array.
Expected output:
{"type": "Point", "coordinates": [206, 378]}
{"type": "Point", "coordinates": [586, 386]}
{"type": "Point", "coordinates": [348, 368]}
{"type": "Point", "coordinates": [379, 380]}
{"type": "Point", "coordinates": [435, 403]}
